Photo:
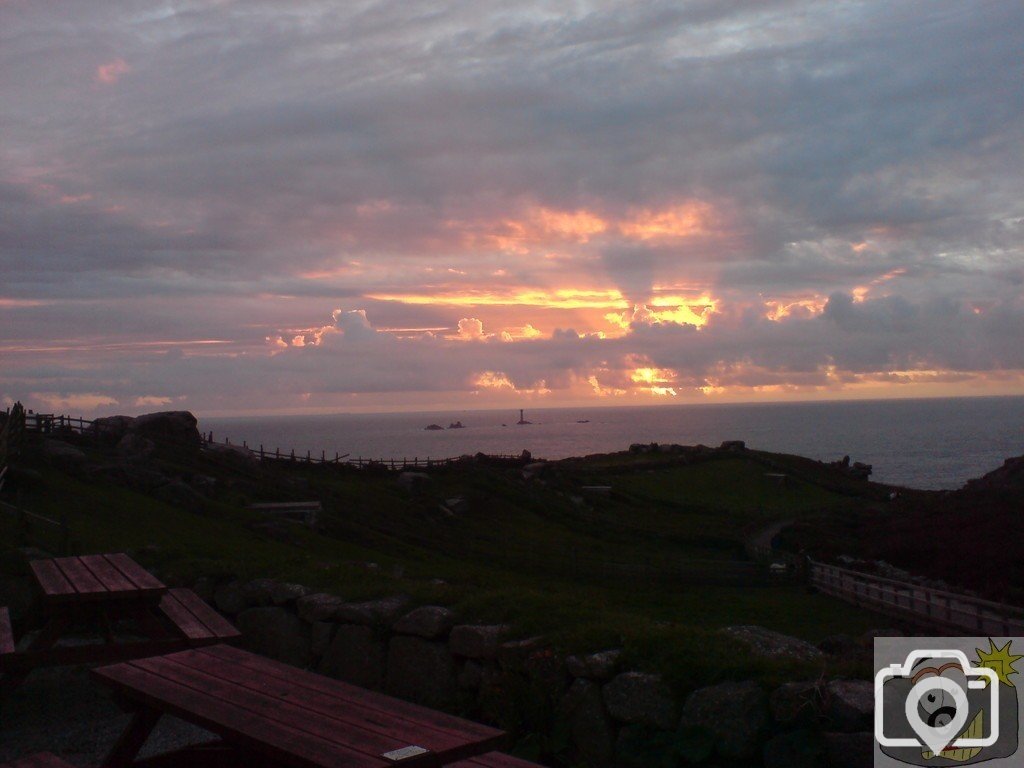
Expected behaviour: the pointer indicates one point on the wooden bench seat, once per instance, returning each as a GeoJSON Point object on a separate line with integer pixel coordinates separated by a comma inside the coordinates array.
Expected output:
{"type": "Point", "coordinates": [41, 760]}
{"type": "Point", "coordinates": [6, 633]}
{"type": "Point", "coordinates": [197, 621]}
{"type": "Point", "coordinates": [494, 760]}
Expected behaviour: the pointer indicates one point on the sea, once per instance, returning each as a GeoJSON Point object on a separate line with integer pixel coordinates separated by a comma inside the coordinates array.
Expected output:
{"type": "Point", "coordinates": [927, 443]}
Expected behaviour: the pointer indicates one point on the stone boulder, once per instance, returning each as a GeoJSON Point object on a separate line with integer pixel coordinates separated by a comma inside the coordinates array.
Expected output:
{"type": "Point", "coordinates": [479, 641]}
{"type": "Point", "coordinates": [840, 645]}
{"type": "Point", "coordinates": [138, 477]}
{"type": "Point", "coordinates": [356, 656]}
{"type": "Point", "coordinates": [591, 728]}
{"type": "Point", "coordinates": [516, 654]}
{"type": "Point", "coordinates": [773, 645]}
{"type": "Point", "coordinates": [232, 598]}
{"type": "Point", "coordinates": [422, 671]}
{"type": "Point", "coordinates": [135, 447]}
{"type": "Point", "coordinates": [318, 607]}
{"type": "Point", "coordinates": [850, 705]}
{"type": "Point", "coordinates": [271, 592]}
{"type": "Point", "coordinates": [470, 675]}
{"type": "Point", "coordinates": [285, 593]}
{"type": "Point", "coordinates": [735, 713]}
{"type": "Point", "coordinates": [594, 666]}
{"type": "Point", "coordinates": [321, 633]}
{"type": "Point", "coordinates": [232, 455]}
{"type": "Point", "coordinates": [63, 455]}
{"type": "Point", "coordinates": [277, 633]}
{"type": "Point", "coordinates": [645, 699]}
{"type": "Point", "coordinates": [797, 703]}
{"type": "Point", "coordinates": [371, 613]}
{"type": "Point", "coordinates": [258, 592]}
{"type": "Point", "coordinates": [173, 430]}
{"type": "Point", "coordinates": [429, 621]}
{"type": "Point", "coordinates": [110, 429]}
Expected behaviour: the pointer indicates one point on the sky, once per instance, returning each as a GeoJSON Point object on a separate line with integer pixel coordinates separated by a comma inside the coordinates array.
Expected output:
{"type": "Point", "coordinates": [292, 206]}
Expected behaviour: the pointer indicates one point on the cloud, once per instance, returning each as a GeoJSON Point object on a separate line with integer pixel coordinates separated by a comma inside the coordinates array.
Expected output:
{"type": "Point", "coordinates": [760, 197]}
{"type": "Point", "coordinates": [112, 71]}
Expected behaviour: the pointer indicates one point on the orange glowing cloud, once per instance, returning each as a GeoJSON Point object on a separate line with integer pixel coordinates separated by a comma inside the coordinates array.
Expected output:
{"type": "Point", "coordinates": [498, 380]}
{"type": "Point", "coordinates": [654, 380]}
{"type": "Point", "coordinates": [777, 310]}
{"type": "Point", "coordinates": [525, 332]}
{"type": "Point", "coordinates": [471, 329]}
{"type": "Point", "coordinates": [860, 292]}
{"type": "Point", "coordinates": [550, 227]}
{"type": "Point", "coordinates": [564, 298]}
{"type": "Point", "coordinates": [667, 309]}
{"type": "Point", "coordinates": [112, 71]}
{"type": "Point", "coordinates": [685, 220]}
{"type": "Point", "coordinates": [603, 391]}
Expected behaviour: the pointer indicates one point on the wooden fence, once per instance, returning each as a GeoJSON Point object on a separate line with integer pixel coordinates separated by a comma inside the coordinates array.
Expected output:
{"type": "Point", "coordinates": [48, 423]}
{"type": "Point", "coordinates": [53, 535]}
{"type": "Point", "coordinates": [912, 602]}
{"type": "Point", "coordinates": [45, 423]}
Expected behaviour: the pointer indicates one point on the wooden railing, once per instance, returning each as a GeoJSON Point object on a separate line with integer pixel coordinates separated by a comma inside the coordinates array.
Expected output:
{"type": "Point", "coordinates": [916, 603]}
{"type": "Point", "coordinates": [48, 423]}
{"type": "Point", "coordinates": [53, 535]}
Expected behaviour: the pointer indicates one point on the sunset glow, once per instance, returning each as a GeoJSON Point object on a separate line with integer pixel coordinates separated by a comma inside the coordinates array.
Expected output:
{"type": "Point", "coordinates": [236, 208]}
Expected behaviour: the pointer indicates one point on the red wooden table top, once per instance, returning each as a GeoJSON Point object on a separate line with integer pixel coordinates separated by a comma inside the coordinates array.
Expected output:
{"type": "Point", "coordinates": [95, 577]}
{"type": "Point", "coordinates": [297, 717]}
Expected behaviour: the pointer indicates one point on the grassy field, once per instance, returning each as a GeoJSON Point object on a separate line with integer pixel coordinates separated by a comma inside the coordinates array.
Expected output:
{"type": "Point", "coordinates": [655, 567]}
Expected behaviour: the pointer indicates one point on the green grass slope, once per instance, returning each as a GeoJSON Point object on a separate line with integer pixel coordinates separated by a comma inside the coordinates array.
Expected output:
{"type": "Point", "coordinates": [656, 566]}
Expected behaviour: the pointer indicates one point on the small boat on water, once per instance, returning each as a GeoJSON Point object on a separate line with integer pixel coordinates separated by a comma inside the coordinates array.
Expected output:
{"type": "Point", "coordinates": [456, 425]}
{"type": "Point", "coordinates": [433, 427]}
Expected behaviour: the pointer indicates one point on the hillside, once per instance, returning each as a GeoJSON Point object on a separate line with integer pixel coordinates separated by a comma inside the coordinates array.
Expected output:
{"type": "Point", "coordinates": [967, 538]}
{"type": "Point", "coordinates": [641, 549]}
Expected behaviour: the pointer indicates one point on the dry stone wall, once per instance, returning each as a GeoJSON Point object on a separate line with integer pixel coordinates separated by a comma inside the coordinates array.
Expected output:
{"type": "Point", "coordinates": [582, 710]}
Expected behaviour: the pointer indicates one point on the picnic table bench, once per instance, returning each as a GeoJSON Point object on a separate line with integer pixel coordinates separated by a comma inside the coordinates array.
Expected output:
{"type": "Point", "coordinates": [105, 589]}
{"type": "Point", "coordinates": [270, 713]}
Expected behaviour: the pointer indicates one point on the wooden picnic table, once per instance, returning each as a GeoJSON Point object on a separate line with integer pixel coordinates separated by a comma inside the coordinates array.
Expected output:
{"type": "Point", "coordinates": [269, 713]}
{"type": "Point", "coordinates": [104, 589]}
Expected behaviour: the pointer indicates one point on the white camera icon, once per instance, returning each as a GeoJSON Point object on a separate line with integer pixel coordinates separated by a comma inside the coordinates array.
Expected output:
{"type": "Point", "coordinates": [938, 737]}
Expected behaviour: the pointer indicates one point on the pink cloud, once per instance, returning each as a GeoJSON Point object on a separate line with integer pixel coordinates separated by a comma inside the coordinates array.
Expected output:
{"type": "Point", "coordinates": [111, 72]}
